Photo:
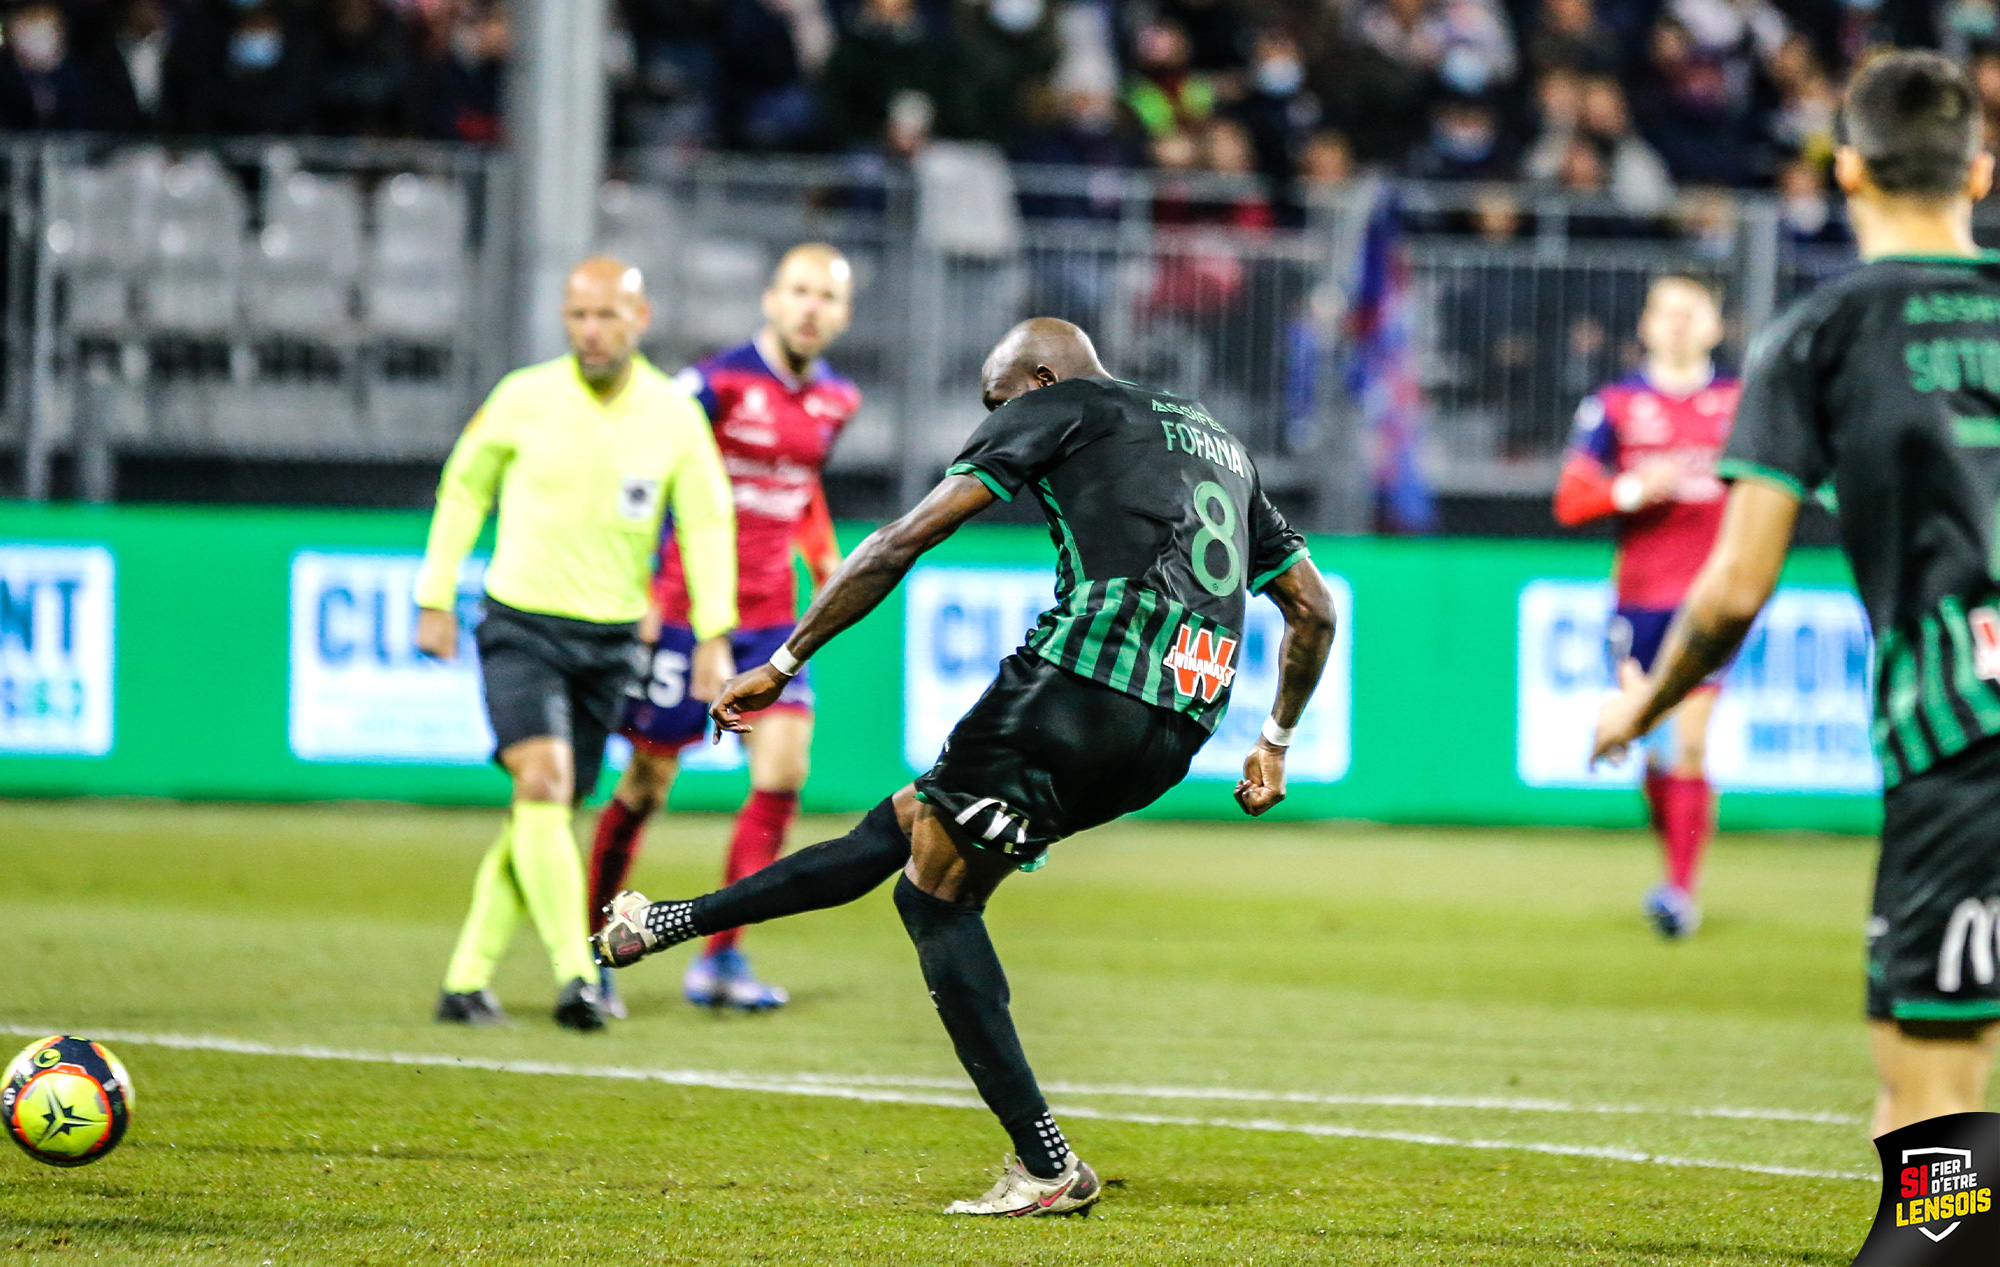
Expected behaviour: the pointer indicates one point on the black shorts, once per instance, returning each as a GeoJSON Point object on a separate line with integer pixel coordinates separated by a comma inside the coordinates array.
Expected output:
{"type": "Point", "coordinates": [1934, 936]}
{"type": "Point", "coordinates": [551, 676]}
{"type": "Point", "coordinates": [1045, 754]}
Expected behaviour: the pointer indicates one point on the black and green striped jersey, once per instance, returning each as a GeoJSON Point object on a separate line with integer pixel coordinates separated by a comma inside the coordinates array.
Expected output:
{"type": "Point", "coordinates": [1885, 387]}
{"type": "Point", "coordinates": [1161, 530]}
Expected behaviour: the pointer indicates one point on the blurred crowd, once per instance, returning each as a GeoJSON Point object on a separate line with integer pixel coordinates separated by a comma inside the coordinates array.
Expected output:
{"type": "Point", "coordinates": [202, 68]}
{"type": "Point", "coordinates": [1636, 101]}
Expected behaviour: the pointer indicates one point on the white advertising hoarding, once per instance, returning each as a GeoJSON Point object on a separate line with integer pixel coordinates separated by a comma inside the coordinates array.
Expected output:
{"type": "Point", "coordinates": [1793, 715]}
{"type": "Point", "coordinates": [359, 690]}
{"type": "Point", "coordinates": [960, 622]}
{"type": "Point", "coordinates": [56, 621]}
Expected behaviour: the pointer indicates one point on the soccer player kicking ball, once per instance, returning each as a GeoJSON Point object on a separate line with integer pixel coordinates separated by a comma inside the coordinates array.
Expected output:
{"type": "Point", "coordinates": [1887, 384]}
{"type": "Point", "coordinates": [1162, 531]}
{"type": "Point", "coordinates": [776, 409]}
{"type": "Point", "coordinates": [1645, 450]}
{"type": "Point", "coordinates": [583, 455]}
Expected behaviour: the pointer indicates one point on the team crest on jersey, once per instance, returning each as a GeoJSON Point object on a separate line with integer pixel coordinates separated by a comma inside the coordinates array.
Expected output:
{"type": "Point", "coordinates": [1204, 663]}
{"type": "Point", "coordinates": [638, 498]}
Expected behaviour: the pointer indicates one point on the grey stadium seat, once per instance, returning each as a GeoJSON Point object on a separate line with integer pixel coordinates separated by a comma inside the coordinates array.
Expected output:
{"type": "Point", "coordinates": [416, 273]}
{"type": "Point", "coordinates": [636, 223]}
{"type": "Point", "coordinates": [195, 250]}
{"type": "Point", "coordinates": [300, 276]}
{"type": "Point", "coordinates": [99, 221]}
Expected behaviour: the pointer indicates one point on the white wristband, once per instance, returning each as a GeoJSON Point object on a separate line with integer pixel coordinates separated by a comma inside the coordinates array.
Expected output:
{"type": "Point", "coordinates": [1627, 492]}
{"type": "Point", "coordinates": [785, 662]}
{"type": "Point", "coordinates": [1278, 736]}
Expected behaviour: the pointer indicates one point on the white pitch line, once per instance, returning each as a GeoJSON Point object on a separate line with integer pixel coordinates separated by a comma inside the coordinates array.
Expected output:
{"type": "Point", "coordinates": [886, 1091]}
{"type": "Point", "coordinates": [1339, 1099]}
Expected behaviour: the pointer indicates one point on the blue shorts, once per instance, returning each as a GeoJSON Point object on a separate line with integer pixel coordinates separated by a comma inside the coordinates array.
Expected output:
{"type": "Point", "coordinates": [660, 715]}
{"type": "Point", "coordinates": [1635, 633]}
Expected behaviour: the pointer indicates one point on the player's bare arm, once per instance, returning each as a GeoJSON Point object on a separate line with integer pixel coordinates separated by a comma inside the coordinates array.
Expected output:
{"type": "Point", "coordinates": [1732, 588]}
{"type": "Point", "coordinates": [858, 586]}
{"type": "Point", "coordinates": [1307, 605]}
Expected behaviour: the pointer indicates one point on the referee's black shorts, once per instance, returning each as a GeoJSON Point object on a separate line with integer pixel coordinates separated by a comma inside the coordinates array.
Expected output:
{"type": "Point", "coordinates": [549, 676]}
{"type": "Point", "coordinates": [1045, 754]}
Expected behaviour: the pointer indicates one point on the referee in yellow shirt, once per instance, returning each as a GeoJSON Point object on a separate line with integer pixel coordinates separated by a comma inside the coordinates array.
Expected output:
{"type": "Point", "coordinates": [583, 455]}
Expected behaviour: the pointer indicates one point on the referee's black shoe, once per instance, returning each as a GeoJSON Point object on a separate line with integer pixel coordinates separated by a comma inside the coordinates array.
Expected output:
{"type": "Point", "coordinates": [580, 1006]}
{"type": "Point", "coordinates": [473, 1007]}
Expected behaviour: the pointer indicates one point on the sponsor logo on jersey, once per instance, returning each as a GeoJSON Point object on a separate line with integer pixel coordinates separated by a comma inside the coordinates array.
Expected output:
{"type": "Point", "coordinates": [1203, 663]}
{"type": "Point", "coordinates": [1985, 623]}
{"type": "Point", "coordinates": [1648, 421]}
{"type": "Point", "coordinates": [1969, 943]}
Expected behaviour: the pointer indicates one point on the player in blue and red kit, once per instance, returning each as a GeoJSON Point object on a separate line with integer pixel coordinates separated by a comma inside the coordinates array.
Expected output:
{"type": "Point", "coordinates": [1645, 450]}
{"type": "Point", "coordinates": [776, 408]}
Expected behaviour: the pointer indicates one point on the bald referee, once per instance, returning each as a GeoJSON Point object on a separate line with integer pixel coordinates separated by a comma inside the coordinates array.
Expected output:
{"type": "Point", "coordinates": [583, 456]}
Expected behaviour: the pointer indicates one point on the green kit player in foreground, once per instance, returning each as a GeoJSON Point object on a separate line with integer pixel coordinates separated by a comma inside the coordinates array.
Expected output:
{"type": "Point", "coordinates": [1886, 384]}
{"type": "Point", "coordinates": [583, 455]}
{"type": "Point", "coordinates": [1162, 532]}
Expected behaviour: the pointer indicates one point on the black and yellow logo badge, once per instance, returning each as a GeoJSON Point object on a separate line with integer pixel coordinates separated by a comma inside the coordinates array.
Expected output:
{"type": "Point", "coordinates": [1937, 1195]}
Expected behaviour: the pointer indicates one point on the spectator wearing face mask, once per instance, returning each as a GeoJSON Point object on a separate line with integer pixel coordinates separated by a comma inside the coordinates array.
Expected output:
{"type": "Point", "coordinates": [1002, 48]}
{"type": "Point", "coordinates": [1466, 143]}
{"type": "Point", "coordinates": [238, 68]}
{"type": "Point", "coordinates": [1466, 45]}
{"type": "Point", "coordinates": [42, 87]}
{"type": "Point", "coordinates": [1276, 107]}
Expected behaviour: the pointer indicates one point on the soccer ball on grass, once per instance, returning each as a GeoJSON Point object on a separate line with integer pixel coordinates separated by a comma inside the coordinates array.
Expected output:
{"type": "Point", "coordinates": [66, 1101]}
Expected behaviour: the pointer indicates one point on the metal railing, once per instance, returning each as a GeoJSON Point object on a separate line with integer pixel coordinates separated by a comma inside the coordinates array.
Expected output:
{"type": "Point", "coordinates": [315, 300]}
{"type": "Point", "coordinates": [303, 300]}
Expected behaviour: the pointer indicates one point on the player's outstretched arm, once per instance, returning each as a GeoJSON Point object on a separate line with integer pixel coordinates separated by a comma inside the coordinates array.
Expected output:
{"type": "Point", "coordinates": [857, 587]}
{"type": "Point", "coordinates": [1301, 595]}
{"type": "Point", "coordinates": [1730, 590]}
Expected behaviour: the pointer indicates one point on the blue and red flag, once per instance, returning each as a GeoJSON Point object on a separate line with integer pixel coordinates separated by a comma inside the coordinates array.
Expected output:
{"type": "Point", "coordinates": [1382, 378]}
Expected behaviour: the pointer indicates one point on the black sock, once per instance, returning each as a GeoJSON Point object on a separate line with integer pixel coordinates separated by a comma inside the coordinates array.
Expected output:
{"type": "Point", "coordinates": [969, 989]}
{"type": "Point", "coordinates": [831, 873]}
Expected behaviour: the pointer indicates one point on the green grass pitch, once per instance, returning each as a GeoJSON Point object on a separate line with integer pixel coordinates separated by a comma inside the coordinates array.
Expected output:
{"type": "Point", "coordinates": [1420, 991]}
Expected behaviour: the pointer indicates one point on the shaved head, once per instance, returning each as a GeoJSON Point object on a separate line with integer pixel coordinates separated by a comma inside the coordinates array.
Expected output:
{"type": "Point", "coordinates": [1039, 352]}
{"type": "Point", "coordinates": [605, 314]}
{"type": "Point", "coordinates": [604, 272]}
{"type": "Point", "coordinates": [808, 304]}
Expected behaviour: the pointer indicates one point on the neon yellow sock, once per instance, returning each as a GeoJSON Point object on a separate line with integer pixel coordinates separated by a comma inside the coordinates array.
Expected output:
{"type": "Point", "coordinates": [496, 912]}
{"type": "Point", "coordinates": [551, 879]}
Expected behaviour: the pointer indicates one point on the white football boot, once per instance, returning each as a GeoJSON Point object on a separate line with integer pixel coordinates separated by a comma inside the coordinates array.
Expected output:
{"type": "Point", "coordinates": [635, 928]}
{"type": "Point", "coordinates": [1019, 1194]}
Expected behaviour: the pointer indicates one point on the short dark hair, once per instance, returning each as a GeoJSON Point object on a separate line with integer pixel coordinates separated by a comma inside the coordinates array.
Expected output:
{"type": "Point", "coordinates": [1914, 119]}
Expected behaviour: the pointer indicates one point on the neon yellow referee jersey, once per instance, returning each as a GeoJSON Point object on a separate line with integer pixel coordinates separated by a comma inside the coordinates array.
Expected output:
{"type": "Point", "coordinates": [582, 485]}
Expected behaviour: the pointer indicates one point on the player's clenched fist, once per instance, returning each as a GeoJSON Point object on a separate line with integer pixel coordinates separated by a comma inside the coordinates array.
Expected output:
{"type": "Point", "coordinates": [437, 633]}
{"type": "Point", "coordinates": [1263, 781]}
{"type": "Point", "coordinates": [748, 693]}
